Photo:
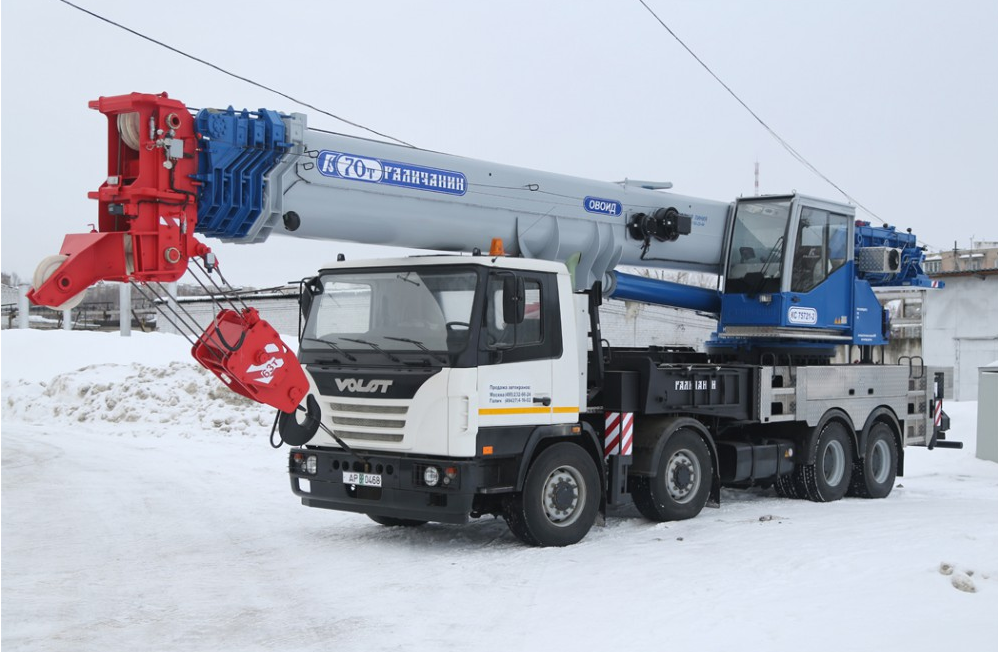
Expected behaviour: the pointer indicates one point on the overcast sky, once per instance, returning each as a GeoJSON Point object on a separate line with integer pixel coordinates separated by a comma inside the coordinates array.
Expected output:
{"type": "Point", "coordinates": [895, 101]}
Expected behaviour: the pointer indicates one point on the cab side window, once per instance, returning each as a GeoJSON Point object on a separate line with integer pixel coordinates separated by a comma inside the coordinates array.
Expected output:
{"type": "Point", "coordinates": [820, 248]}
{"type": "Point", "coordinates": [538, 335]}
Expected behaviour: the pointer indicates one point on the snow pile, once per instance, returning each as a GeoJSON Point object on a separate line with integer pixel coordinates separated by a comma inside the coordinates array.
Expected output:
{"type": "Point", "coordinates": [171, 389]}
{"type": "Point", "coordinates": [178, 394]}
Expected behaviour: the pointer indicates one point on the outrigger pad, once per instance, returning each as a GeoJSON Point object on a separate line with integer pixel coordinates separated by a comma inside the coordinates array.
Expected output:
{"type": "Point", "coordinates": [249, 356]}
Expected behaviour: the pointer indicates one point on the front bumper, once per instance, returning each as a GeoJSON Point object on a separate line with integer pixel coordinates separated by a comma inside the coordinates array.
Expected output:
{"type": "Point", "coordinates": [403, 493]}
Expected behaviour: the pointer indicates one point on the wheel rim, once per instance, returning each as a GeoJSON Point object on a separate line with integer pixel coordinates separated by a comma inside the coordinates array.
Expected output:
{"type": "Point", "coordinates": [682, 476]}
{"type": "Point", "coordinates": [833, 463]}
{"type": "Point", "coordinates": [563, 496]}
{"type": "Point", "coordinates": [880, 461]}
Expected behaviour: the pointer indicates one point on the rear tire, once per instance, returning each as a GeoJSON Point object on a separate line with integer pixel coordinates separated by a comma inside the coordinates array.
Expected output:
{"type": "Point", "coordinates": [560, 498]}
{"type": "Point", "coordinates": [391, 521]}
{"type": "Point", "coordinates": [874, 475]}
{"type": "Point", "coordinates": [681, 485]}
{"type": "Point", "coordinates": [786, 486]}
{"type": "Point", "coordinates": [829, 477]}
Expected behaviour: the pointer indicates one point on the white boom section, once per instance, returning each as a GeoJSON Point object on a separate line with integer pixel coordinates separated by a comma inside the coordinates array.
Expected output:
{"type": "Point", "coordinates": [336, 187]}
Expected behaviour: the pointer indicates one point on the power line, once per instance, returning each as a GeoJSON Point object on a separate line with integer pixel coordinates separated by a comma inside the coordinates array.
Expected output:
{"type": "Point", "coordinates": [793, 152]}
{"type": "Point", "coordinates": [232, 74]}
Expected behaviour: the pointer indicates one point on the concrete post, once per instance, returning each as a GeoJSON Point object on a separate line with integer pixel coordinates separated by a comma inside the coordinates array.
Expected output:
{"type": "Point", "coordinates": [173, 309]}
{"type": "Point", "coordinates": [23, 307]}
{"type": "Point", "coordinates": [125, 309]}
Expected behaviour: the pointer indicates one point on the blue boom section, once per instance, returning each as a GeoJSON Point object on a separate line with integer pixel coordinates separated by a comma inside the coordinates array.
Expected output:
{"type": "Point", "coordinates": [238, 149]}
{"type": "Point", "coordinates": [666, 293]}
{"type": "Point", "coordinates": [909, 272]}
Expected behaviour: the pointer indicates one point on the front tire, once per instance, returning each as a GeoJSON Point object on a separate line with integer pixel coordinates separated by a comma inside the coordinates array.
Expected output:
{"type": "Point", "coordinates": [681, 486]}
{"type": "Point", "coordinates": [560, 498]}
{"type": "Point", "coordinates": [874, 475]}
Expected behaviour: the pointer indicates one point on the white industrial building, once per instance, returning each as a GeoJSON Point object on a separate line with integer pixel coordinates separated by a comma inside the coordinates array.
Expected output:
{"type": "Point", "coordinates": [960, 327]}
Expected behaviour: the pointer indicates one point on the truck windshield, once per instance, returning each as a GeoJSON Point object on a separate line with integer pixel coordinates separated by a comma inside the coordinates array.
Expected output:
{"type": "Point", "coordinates": [389, 316]}
{"type": "Point", "coordinates": [757, 244]}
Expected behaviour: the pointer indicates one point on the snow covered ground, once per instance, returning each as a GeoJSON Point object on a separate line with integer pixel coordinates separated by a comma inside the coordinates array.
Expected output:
{"type": "Point", "coordinates": [144, 510]}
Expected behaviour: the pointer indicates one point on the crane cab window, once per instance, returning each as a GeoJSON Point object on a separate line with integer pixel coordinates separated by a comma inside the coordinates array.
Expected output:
{"type": "Point", "coordinates": [757, 243]}
{"type": "Point", "coordinates": [537, 336]}
{"type": "Point", "coordinates": [821, 247]}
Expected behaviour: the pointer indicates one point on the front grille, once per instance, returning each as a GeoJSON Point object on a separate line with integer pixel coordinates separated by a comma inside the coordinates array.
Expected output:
{"type": "Point", "coordinates": [368, 409]}
{"type": "Point", "coordinates": [366, 422]}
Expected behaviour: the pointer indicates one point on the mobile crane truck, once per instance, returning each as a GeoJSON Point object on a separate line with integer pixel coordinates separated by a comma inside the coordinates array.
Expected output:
{"type": "Point", "coordinates": [447, 387]}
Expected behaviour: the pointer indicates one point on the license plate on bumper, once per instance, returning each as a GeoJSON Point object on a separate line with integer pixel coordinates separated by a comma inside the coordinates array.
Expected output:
{"type": "Point", "coordinates": [362, 479]}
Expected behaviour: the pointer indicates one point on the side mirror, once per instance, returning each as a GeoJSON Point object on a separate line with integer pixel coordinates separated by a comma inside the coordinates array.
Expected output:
{"type": "Point", "coordinates": [308, 289]}
{"type": "Point", "coordinates": [514, 299]}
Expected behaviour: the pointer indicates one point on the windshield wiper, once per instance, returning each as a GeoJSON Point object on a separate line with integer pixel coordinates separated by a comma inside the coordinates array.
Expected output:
{"type": "Point", "coordinates": [775, 252]}
{"type": "Point", "coordinates": [332, 346]}
{"type": "Point", "coordinates": [373, 346]}
{"type": "Point", "coordinates": [421, 346]}
{"type": "Point", "coordinates": [406, 279]}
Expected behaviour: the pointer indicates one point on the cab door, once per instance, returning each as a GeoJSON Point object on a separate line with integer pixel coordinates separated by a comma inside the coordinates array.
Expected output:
{"type": "Point", "coordinates": [517, 351]}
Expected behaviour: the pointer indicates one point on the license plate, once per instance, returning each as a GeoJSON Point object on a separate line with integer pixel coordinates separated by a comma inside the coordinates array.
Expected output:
{"type": "Point", "coordinates": [362, 479]}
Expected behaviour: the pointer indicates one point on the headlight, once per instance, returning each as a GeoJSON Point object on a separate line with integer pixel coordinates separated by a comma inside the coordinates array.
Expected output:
{"type": "Point", "coordinates": [431, 476]}
{"type": "Point", "coordinates": [303, 463]}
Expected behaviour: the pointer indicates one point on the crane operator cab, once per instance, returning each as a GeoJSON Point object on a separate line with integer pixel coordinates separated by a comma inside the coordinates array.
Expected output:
{"type": "Point", "coordinates": [790, 281]}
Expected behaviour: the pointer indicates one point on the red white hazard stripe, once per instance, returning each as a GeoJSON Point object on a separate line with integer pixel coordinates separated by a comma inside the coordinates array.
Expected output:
{"type": "Point", "coordinates": [618, 435]}
{"type": "Point", "coordinates": [937, 418]}
{"type": "Point", "coordinates": [611, 434]}
{"type": "Point", "coordinates": [627, 433]}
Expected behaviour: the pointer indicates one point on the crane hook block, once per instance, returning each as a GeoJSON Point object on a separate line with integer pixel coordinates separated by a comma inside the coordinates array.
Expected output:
{"type": "Point", "coordinates": [248, 355]}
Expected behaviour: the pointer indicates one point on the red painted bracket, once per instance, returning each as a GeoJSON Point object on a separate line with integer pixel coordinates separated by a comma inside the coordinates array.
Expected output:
{"type": "Point", "coordinates": [147, 207]}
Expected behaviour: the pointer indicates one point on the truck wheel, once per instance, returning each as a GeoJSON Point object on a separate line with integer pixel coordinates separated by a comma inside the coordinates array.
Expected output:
{"type": "Point", "coordinates": [830, 475]}
{"type": "Point", "coordinates": [873, 476]}
{"type": "Point", "coordinates": [391, 521]}
{"type": "Point", "coordinates": [560, 497]}
{"type": "Point", "coordinates": [786, 486]}
{"type": "Point", "coordinates": [681, 485]}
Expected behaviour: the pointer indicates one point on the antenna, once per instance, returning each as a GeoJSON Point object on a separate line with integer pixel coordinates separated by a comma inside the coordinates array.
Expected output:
{"type": "Point", "coordinates": [757, 178]}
